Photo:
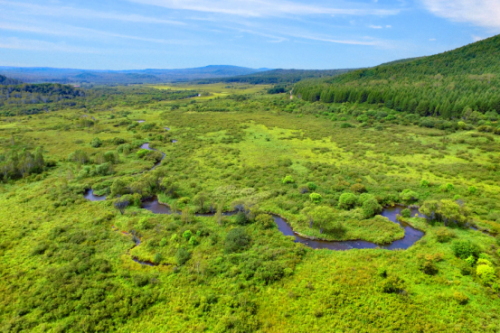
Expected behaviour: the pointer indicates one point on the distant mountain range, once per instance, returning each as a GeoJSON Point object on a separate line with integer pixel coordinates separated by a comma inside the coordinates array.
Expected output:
{"type": "Point", "coordinates": [80, 76]}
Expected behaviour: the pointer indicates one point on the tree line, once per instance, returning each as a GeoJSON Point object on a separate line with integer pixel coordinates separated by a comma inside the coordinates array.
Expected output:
{"type": "Point", "coordinates": [449, 85]}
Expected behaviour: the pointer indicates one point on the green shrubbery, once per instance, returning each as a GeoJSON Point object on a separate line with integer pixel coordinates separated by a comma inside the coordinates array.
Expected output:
{"type": "Point", "coordinates": [237, 240]}
{"type": "Point", "coordinates": [464, 249]}
{"type": "Point", "coordinates": [347, 200]}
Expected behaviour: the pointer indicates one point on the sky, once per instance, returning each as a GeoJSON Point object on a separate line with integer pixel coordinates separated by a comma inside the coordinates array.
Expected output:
{"type": "Point", "coordinates": [305, 34]}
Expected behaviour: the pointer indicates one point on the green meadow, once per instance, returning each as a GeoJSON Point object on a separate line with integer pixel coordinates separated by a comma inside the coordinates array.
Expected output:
{"type": "Point", "coordinates": [67, 263]}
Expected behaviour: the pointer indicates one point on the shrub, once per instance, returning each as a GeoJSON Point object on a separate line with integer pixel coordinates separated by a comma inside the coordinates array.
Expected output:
{"type": "Point", "coordinates": [163, 242]}
{"type": "Point", "coordinates": [157, 258]}
{"type": "Point", "coordinates": [141, 153]}
{"type": "Point", "coordinates": [424, 183]}
{"type": "Point", "coordinates": [347, 200]}
{"type": "Point", "coordinates": [346, 125]}
{"type": "Point", "coordinates": [241, 218]}
{"type": "Point", "coordinates": [110, 157]}
{"type": "Point", "coordinates": [409, 196]}
{"type": "Point", "coordinates": [486, 273]}
{"type": "Point", "coordinates": [446, 187]}
{"type": "Point", "coordinates": [104, 169]}
{"type": "Point", "coordinates": [79, 156]}
{"type": "Point", "coordinates": [145, 224]}
{"type": "Point", "coordinates": [182, 256]}
{"type": "Point", "coordinates": [471, 260]}
{"type": "Point", "coordinates": [265, 221]}
{"type": "Point", "coordinates": [472, 190]}
{"type": "Point", "coordinates": [371, 207]}
{"type": "Point", "coordinates": [316, 198]}
{"type": "Point", "coordinates": [121, 204]}
{"type": "Point", "coordinates": [406, 213]}
{"type": "Point", "coordinates": [444, 235]}
{"type": "Point", "coordinates": [429, 267]}
{"type": "Point", "coordinates": [118, 141]}
{"type": "Point", "coordinates": [193, 241]}
{"type": "Point", "coordinates": [466, 269]}
{"type": "Point", "coordinates": [311, 186]}
{"type": "Point", "coordinates": [187, 234]}
{"type": "Point", "coordinates": [96, 143]}
{"type": "Point", "coordinates": [464, 249]}
{"type": "Point", "coordinates": [363, 118]}
{"type": "Point", "coordinates": [358, 188]}
{"type": "Point", "coordinates": [393, 284]}
{"type": "Point", "coordinates": [237, 240]}
{"type": "Point", "coordinates": [461, 298]}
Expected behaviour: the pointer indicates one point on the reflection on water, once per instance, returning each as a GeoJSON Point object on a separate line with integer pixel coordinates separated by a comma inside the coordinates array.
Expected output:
{"type": "Point", "coordinates": [89, 195]}
{"type": "Point", "coordinates": [412, 235]}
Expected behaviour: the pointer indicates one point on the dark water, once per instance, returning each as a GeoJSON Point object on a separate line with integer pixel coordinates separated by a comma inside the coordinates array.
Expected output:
{"type": "Point", "coordinates": [156, 208]}
{"type": "Point", "coordinates": [412, 235]}
{"type": "Point", "coordinates": [146, 146]}
{"type": "Point", "coordinates": [89, 195]}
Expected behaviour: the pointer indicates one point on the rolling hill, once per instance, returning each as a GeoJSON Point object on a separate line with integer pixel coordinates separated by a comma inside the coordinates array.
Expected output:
{"type": "Point", "coordinates": [451, 84]}
{"type": "Point", "coordinates": [8, 81]}
{"type": "Point", "coordinates": [108, 77]}
{"type": "Point", "coordinates": [277, 76]}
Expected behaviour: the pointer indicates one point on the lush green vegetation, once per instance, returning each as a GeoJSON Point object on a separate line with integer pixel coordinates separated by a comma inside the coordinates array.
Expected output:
{"type": "Point", "coordinates": [454, 85]}
{"type": "Point", "coordinates": [66, 264]}
{"type": "Point", "coordinates": [71, 265]}
{"type": "Point", "coordinates": [35, 98]}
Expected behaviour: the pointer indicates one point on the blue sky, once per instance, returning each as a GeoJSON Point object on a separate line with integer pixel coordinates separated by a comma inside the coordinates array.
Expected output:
{"type": "Point", "coordinates": [315, 34]}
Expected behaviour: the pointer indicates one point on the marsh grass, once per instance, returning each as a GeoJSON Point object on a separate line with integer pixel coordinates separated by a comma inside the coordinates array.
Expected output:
{"type": "Point", "coordinates": [64, 267]}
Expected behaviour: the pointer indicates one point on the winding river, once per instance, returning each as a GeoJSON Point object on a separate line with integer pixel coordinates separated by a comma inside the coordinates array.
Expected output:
{"type": "Point", "coordinates": [412, 235]}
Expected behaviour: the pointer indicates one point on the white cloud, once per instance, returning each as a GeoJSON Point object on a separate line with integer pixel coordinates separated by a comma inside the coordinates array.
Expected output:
{"type": "Point", "coordinates": [375, 26]}
{"type": "Point", "coordinates": [336, 41]}
{"type": "Point", "coordinates": [432, 39]}
{"type": "Point", "coordinates": [85, 13]}
{"type": "Point", "coordinates": [477, 38]}
{"type": "Point", "coordinates": [38, 45]}
{"type": "Point", "coordinates": [70, 31]}
{"type": "Point", "coordinates": [484, 13]}
{"type": "Point", "coordinates": [388, 26]}
{"type": "Point", "coordinates": [262, 8]}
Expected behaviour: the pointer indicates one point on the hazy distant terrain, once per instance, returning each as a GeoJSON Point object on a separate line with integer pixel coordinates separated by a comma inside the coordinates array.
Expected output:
{"type": "Point", "coordinates": [78, 76]}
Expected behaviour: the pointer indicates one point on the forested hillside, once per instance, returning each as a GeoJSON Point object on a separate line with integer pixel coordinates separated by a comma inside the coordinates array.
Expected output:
{"type": "Point", "coordinates": [5, 80]}
{"type": "Point", "coordinates": [25, 99]}
{"type": "Point", "coordinates": [450, 85]}
{"type": "Point", "coordinates": [277, 76]}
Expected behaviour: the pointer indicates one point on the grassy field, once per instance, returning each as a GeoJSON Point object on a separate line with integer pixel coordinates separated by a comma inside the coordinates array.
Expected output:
{"type": "Point", "coordinates": [66, 263]}
{"type": "Point", "coordinates": [213, 90]}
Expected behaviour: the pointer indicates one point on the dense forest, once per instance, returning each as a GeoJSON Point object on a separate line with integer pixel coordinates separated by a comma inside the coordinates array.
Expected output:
{"type": "Point", "coordinates": [6, 81]}
{"type": "Point", "coordinates": [35, 98]}
{"type": "Point", "coordinates": [449, 85]}
{"type": "Point", "coordinates": [277, 76]}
